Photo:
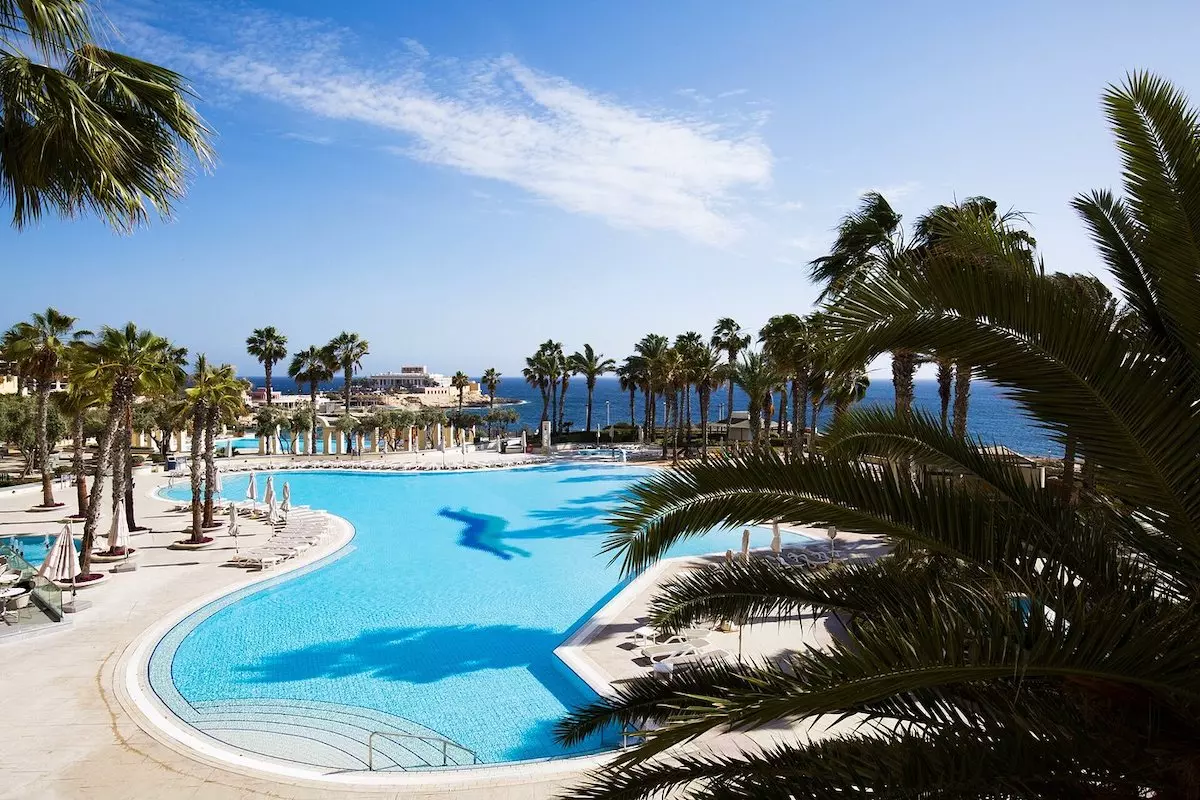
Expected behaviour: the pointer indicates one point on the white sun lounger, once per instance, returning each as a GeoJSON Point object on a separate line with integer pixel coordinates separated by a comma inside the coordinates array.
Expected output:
{"type": "Point", "coordinates": [707, 652]}
{"type": "Point", "coordinates": [656, 652]}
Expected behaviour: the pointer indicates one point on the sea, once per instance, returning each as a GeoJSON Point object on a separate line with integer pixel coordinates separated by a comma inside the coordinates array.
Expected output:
{"type": "Point", "coordinates": [994, 417]}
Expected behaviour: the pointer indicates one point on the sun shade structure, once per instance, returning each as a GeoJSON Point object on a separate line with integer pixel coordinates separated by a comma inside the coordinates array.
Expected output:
{"type": "Point", "coordinates": [252, 488]}
{"type": "Point", "coordinates": [269, 499]}
{"type": "Point", "coordinates": [61, 562]}
{"type": "Point", "coordinates": [118, 531]}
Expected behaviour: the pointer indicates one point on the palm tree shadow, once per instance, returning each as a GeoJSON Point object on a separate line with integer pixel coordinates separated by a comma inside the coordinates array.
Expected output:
{"type": "Point", "coordinates": [484, 532]}
{"type": "Point", "coordinates": [489, 533]}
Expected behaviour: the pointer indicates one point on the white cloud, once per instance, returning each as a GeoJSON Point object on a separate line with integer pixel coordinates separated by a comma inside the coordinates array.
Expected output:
{"type": "Point", "coordinates": [732, 93]}
{"type": "Point", "coordinates": [790, 205]}
{"type": "Point", "coordinates": [496, 118]}
{"type": "Point", "coordinates": [893, 191]}
{"type": "Point", "coordinates": [308, 137]}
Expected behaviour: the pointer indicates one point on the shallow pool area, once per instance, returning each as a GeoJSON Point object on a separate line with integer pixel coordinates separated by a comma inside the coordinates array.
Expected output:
{"type": "Point", "coordinates": [439, 620]}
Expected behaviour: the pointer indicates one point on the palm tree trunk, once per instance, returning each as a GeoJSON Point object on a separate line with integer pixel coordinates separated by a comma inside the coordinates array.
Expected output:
{"type": "Point", "coordinates": [646, 410]}
{"type": "Point", "coordinates": [210, 464]}
{"type": "Point", "coordinates": [703, 396]}
{"type": "Point", "coordinates": [755, 416]}
{"type": "Point", "coordinates": [591, 387]}
{"type": "Point", "coordinates": [945, 375]}
{"type": "Point", "coordinates": [312, 398]}
{"type": "Point", "coordinates": [198, 417]}
{"type": "Point", "coordinates": [687, 410]}
{"type": "Point", "coordinates": [267, 378]}
{"type": "Point", "coordinates": [815, 402]}
{"type": "Point", "coordinates": [127, 458]}
{"type": "Point", "coordinates": [103, 451]}
{"type": "Point", "coordinates": [562, 403]}
{"type": "Point", "coordinates": [43, 446]}
{"type": "Point", "coordinates": [904, 365]}
{"type": "Point", "coordinates": [782, 409]}
{"type": "Point", "coordinates": [729, 405]}
{"type": "Point", "coordinates": [545, 403]}
{"type": "Point", "coordinates": [799, 404]}
{"type": "Point", "coordinates": [77, 465]}
{"type": "Point", "coordinates": [962, 397]}
{"type": "Point", "coordinates": [554, 404]}
{"type": "Point", "coordinates": [632, 406]}
{"type": "Point", "coordinates": [1070, 487]}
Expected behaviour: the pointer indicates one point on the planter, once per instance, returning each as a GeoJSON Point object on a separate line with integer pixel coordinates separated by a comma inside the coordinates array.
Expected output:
{"type": "Point", "coordinates": [38, 509]}
{"type": "Point", "coordinates": [189, 545]}
{"type": "Point", "coordinates": [212, 527]}
{"type": "Point", "coordinates": [83, 581]}
{"type": "Point", "coordinates": [101, 557]}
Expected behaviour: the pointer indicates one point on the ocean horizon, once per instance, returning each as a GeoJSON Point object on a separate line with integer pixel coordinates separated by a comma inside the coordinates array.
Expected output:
{"type": "Point", "coordinates": [994, 417]}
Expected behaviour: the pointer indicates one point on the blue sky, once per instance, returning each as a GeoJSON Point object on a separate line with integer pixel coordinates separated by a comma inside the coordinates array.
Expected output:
{"type": "Point", "coordinates": [458, 181]}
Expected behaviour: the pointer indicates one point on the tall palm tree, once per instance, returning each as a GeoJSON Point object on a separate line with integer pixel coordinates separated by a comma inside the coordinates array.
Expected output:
{"type": "Point", "coordinates": [630, 379]}
{"type": "Point", "coordinates": [1042, 649]}
{"type": "Point", "coordinates": [965, 231]}
{"type": "Point", "coordinates": [708, 372]}
{"type": "Point", "coordinates": [870, 241]}
{"type": "Point", "coordinates": [348, 350]}
{"type": "Point", "coordinates": [225, 404]}
{"type": "Point", "coordinates": [727, 337]}
{"type": "Point", "coordinates": [756, 376]}
{"type": "Point", "coordinates": [669, 369]}
{"type": "Point", "coordinates": [85, 128]}
{"type": "Point", "coordinates": [460, 381]}
{"type": "Point", "coordinates": [687, 344]}
{"type": "Point", "coordinates": [491, 381]}
{"type": "Point", "coordinates": [537, 374]}
{"type": "Point", "coordinates": [651, 349]}
{"type": "Point", "coordinates": [786, 341]}
{"type": "Point", "coordinates": [591, 365]}
{"type": "Point", "coordinates": [269, 346]}
{"type": "Point", "coordinates": [846, 387]}
{"type": "Point", "coordinates": [40, 347]}
{"type": "Point", "coordinates": [83, 395]}
{"type": "Point", "coordinates": [126, 362]}
{"type": "Point", "coordinates": [312, 366]}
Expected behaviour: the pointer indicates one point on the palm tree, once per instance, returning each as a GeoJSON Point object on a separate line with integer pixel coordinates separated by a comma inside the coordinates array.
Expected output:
{"type": "Point", "coordinates": [629, 376]}
{"type": "Point", "coordinates": [964, 231]}
{"type": "Point", "coordinates": [845, 388]}
{"type": "Point", "coordinates": [460, 381]}
{"type": "Point", "coordinates": [591, 365]}
{"type": "Point", "coordinates": [687, 344]}
{"type": "Point", "coordinates": [40, 347]}
{"type": "Point", "coordinates": [651, 349]}
{"type": "Point", "coordinates": [225, 404]}
{"type": "Point", "coordinates": [126, 362]}
{"type": "Point", "coordinates": [757, 377]}
{"type": "Point", "coordinates": [786, 340]}
{"type": "Point", "coordinates": [269, 346]}
{"type": "Point", "coordinates": [669, 369]}
{"type": "Point", "coordinates": [312, 366]}
{"type": "Point", "coordinates": [708, 373]}
{"type": "Point", "coordinates": [83, 395]}
{"type": "Point", "coordinates": [727, 337]}
{"type": "Point", "coordinates": [870, 241]}
{"type": "Point", "coordinates": [537, 374]}
{"type": "Point", "coordinates": [85, 128]}
{"type": "Point", "coordinates": [1042, 648]}
{"type": "Point", "coordinates": [491, 381]}
{"type": "Point", "coordinates": [348, 351]}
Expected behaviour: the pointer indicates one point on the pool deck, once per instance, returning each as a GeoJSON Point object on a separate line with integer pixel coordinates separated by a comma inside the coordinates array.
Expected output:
{"type": "Point", "coordinates": [72, 729]}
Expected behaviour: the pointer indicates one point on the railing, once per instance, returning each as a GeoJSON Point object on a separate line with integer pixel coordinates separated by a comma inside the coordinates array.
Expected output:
{"type": "Point", "coordinates": [446, 744]}
{"type": "Point", "coordinates": [44, 594]}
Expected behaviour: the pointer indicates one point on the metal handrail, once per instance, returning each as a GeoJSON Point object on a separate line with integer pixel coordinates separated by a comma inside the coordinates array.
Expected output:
{"type": "Point", "coordinates": [445, 743]}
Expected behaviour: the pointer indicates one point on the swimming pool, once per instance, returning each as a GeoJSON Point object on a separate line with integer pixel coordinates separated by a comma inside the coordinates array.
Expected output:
{"type": "Point", "coordinates": [32, 547]}
{"type": "Point", "coordinates": [443, 617]}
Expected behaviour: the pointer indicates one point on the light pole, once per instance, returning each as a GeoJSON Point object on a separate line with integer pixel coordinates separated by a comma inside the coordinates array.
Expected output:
{"type": "Point", "coordinates": [608, 420]}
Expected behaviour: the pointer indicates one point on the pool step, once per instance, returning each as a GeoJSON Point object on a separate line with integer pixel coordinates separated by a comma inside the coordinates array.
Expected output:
{"type": "Point", "coordinates": [326, 735]}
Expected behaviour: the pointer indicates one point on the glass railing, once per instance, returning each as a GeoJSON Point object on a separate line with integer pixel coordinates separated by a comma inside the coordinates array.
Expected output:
{"type": "Point", "coordinates": [44, 593]}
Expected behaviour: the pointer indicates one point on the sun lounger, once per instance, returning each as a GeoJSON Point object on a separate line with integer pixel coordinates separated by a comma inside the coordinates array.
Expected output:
{"type": "Point", "coordinates": [707, 652]}
{"type": "Point", "coordinates": [656, 652]}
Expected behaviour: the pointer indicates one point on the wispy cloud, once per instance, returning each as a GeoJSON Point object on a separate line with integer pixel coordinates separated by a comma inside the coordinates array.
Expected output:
{"type": "Point", "coordinates": [790, 205]}
{"type": "Point", "coordinates": [308, 137]}
{"type": "Point", "coordinates": [893, 191]}
{"type": "Point", "coordinates": [496, 118]}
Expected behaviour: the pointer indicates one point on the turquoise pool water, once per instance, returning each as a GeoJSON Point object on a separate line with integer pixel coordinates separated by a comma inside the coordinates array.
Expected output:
{"type": "Point", "coordinates": [446, 612]}
{"type": "Point", "coordinates": [33, 547]}
{"type": "Point", "coordinates": [249, 444]}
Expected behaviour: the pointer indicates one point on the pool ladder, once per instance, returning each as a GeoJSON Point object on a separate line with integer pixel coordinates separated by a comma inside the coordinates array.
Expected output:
{"type": "Point", "coordinates": [444, 742]}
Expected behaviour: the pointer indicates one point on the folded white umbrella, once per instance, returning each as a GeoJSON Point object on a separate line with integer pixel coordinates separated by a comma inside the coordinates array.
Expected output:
{"type": "Point", "coordinates": [61, 562]}
{"type": "Point", "coordinates": [118, 531]}
{"type": "Point", "coordinates": [286, 505]}
{"type": "Point", "coordinates": [776, 540]}
{"type": "Point", "coordinates": [217, 487]}
{"type": "Point", "coordinates": [269, 499]}
{"type": "Point", "coordinates": [252, 489]}
{"type": "Point", "coordinates": [746, 546]}
{"type": "Point", "coordinates": [234, 527]}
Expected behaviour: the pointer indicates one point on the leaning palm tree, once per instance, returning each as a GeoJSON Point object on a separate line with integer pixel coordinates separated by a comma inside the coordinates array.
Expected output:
{"type": "Point", "coordinates": [1037, 648]}
{"type": "Point", "coordinates": [727, 337]}
{"type": "Point", "coordinates": [125, 362]}
{"type": "Point", "coordinates": [312, 366]}
{"type": "Point", "coordinates": [40, 348]}
{"type": "Point", "coordinates": [537, 374]}
{"type": "Point", "coordinates": [269, 347]}
{"type": "Point", "coordinates": [85, 128]}
{"type": "Point", "coordinates": [348, 351]}
{"type": "Point", "coordinates": [460, 381]}
{"type": "Point", "coordinates": [591, 365]}
{"type": "Point", "coordinates": [491, 381]}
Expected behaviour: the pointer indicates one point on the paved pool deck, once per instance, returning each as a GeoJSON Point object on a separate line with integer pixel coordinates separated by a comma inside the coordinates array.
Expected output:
{"type": "Point", "coordinates": [71, 729]}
